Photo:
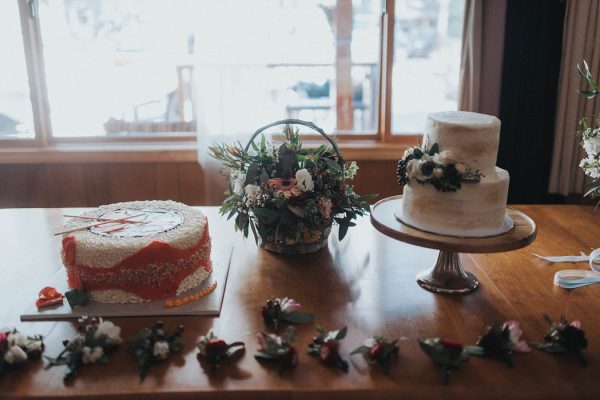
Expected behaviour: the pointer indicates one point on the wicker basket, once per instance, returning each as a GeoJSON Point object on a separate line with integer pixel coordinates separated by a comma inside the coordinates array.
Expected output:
{"type": "Point", "coordinates": [310, 241]}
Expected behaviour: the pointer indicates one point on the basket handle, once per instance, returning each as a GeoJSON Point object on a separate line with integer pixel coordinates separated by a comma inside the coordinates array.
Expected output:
{"type": "Point", "coordinates": [308, 124]}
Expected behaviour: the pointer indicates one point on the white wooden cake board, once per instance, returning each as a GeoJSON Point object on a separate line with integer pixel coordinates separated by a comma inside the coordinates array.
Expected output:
{"type": "Point", "coordinates": [209, 305]}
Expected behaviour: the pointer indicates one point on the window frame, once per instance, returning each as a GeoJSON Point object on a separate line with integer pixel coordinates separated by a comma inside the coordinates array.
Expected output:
{"type": "Point", "coordinates": [45, 146]}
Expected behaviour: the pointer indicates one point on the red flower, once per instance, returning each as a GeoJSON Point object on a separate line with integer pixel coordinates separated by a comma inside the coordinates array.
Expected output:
{"type": "Point", "coordinates": [329, 352]}
{"type": "Point", "coordinates": [375, 351]}
{"type": "Point", "coordinates": [3, 341]}
{"type": "Point", "coordinates": [215, 348]}
{"type": "Point", "coordinates": [451, 344]}
{"type": "Point", "coordinates": [290, 359]}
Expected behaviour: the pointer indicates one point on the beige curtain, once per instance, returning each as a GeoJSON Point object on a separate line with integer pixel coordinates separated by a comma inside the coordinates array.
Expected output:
{"type": "Point", "coordinates": [471, 57]}
{"type": "Point", "coordinates": [581, 40]}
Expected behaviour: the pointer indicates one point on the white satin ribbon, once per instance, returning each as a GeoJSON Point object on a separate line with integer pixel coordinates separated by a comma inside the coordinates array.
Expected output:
{"type": "Point", "coordinates": [573, 278]}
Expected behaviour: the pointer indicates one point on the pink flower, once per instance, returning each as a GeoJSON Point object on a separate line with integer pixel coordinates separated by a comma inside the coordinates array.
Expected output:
{"type": "Point", "coordinates": [516, 332]}
{"type": "Point", "coordinates": [460, 167]}
{"type": "Point", "coordinates": [287, 187]}
{"type": "Point", "coordinates": [576, 324]}
{"type": "Point", "coordinates": [289, 305]}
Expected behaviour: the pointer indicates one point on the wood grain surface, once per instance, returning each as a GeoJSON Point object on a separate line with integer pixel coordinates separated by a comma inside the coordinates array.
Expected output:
{"type": "Point", "coordinates": [366, 282]}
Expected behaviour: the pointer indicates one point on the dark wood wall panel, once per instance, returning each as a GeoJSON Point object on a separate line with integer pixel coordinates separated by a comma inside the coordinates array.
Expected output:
{"type": "Point", "coordinates": [79, 185]}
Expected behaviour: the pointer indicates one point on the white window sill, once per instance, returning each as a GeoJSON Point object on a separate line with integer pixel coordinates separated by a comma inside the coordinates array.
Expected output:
{"type": "Point", "coordinates": [163, 152]}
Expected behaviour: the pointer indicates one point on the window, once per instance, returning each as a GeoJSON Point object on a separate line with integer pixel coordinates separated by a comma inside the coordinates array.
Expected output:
{"type": "Point", "coordinates": [114, 71]}
{"type": "Point", "coordinates": [16, 118]}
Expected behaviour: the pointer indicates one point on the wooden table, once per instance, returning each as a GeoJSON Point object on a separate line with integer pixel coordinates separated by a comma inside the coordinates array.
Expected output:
{"type": "Point", "coordinates": [366, 282]}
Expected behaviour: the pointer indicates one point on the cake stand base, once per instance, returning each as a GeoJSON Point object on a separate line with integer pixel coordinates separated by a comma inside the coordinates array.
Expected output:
{"type": "Point", "coordinates": [447, 276]}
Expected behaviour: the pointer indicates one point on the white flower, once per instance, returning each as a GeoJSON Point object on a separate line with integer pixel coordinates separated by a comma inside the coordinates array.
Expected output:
{"type": "Point", "coordinates": [370, 342]}
{"type": "Point", "coordinates": [111, 331]}
{"type": "Point", "coordinates": [592, 145]}
{"type": "Point", "coordinates": [351, 170]}
{"type": "Point", "coordinates": [90, 356]}
{"type": "Point", "coordinates": [237, 181]}
{"type": "Point", "coordinates": [252, 191]}
{"type": "Point", "coordinates": [304, 180]}
{"type": "Point", "coordinates": [438, 172]}
{"type": "Point", "coordinates": [15, 355]}
{"type": "Point", "coordinates": [161, 350]}
{"type": "Point", "coordinates": [288, 305]}
{"type": "Point", "coordinates": [16, 339]}
{"type": "Point", "coordinates": [412, 169]}
{"type": "Point", "coordinates": [35, 346]}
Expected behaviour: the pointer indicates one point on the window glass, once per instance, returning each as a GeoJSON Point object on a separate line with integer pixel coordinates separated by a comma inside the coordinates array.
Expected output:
{"type": "Point", "coordinates": [152, 67]}
{"type": "Point", "coordinates": [425, 77]}
{"type": "Point", "coordinates": [16, 118]}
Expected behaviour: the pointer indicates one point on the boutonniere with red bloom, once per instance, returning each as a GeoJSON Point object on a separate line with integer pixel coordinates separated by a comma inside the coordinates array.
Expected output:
{"type": "Point", "coordinates": [500, 341]}
{"type": "Point", "coordinates": [215, 350]}
{"type": "Point", "coordinates": [276, 311]}
{"type": "Point", "coordinates": [94, 340]}
{"type": "Point", "coordinates": [16, 348]}
{"type": "Point", "coordinates": [154, 345]}
{"type": "Point", "coordinates": [378, 349]}
{"type": "Point", "coordinates": [564, 337]}
{"type": "Point", "coordinates": [326, 347]}
{"type": "Point", "coordinates": [445, 352]}
{"type": "Point", "coordinates": [278, 348]}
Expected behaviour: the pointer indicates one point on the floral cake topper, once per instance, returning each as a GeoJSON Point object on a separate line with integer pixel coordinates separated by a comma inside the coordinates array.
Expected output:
{"type": "Point", "coordinates": [434, 167]}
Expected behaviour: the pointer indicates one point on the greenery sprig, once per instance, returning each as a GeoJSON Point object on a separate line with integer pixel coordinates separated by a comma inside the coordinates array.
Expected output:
{"type": "Point", "coordinates": [564, 337]}
{"type": "Point", "coordinates": [154, 344]}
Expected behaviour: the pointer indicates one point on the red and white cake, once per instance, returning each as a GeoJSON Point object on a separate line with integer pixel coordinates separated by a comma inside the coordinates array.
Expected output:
{"type": "Point", "coordinates": [159, 249]}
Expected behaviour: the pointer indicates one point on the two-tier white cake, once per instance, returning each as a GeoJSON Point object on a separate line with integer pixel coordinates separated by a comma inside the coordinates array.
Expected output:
{"type": "Point", "coordinates": [468, 143]}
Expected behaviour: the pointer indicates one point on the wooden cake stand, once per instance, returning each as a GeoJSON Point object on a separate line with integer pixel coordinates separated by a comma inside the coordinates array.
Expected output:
{"type": "Point", "coordinates": [447, 275]}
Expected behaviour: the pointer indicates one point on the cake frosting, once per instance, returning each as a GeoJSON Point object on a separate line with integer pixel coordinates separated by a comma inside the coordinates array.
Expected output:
{"type": "Point", "coordinates": [477, 206]}
{"type": "Point", "coordinates": [165, 252]}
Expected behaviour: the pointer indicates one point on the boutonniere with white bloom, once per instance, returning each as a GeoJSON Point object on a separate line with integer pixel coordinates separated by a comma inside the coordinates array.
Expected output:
{"type": "Point", "coordinates": [500, 341]}
{"type": "Point", "coordinates": [16, 348]}
{"type": "Point", "coordinates": [215, 350]}
{"type": "Point", "coordinates": [285, 310]}
{"type": "Point", "coordinates": [378, 350]}
{"type": "Point", "coordinates": [154, 345]}
{"type": "Point", "coordinates": [95, 339]}
{"type": "Point", "coordinates": [326, 347]}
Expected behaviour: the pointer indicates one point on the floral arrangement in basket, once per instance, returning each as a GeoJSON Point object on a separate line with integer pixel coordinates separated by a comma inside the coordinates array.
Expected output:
{"type": "Point", "coordinates": [287, 195]}
{"type": "Point", "coordinates": [589, 130]}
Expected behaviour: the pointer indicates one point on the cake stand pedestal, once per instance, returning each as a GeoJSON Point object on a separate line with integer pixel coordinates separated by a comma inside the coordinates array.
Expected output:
{"type": "Point", "coordinates": [447, 275]}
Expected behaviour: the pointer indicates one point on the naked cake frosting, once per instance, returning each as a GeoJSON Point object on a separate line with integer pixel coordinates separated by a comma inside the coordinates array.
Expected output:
{"type": "Point", "coordinates": [452, 185]}
{"type": "Point", "coordinates": [158, 249]}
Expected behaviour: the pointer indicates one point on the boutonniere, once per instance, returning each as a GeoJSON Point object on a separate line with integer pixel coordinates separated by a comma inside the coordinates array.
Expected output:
{"type": "Point", "coordinates": [378, 349]}
{"type": "Point", "coordinates": [276, 311]}
{"type": "Point", "coordinates": [215, 350]}
{"type": "Point", "coordinates": [278, 348]}
{"type": "Point", "coordinates": [154, 345]}
{"type": "Point", "coordinates": [326, 347]}
{"type": "Point", "coordinates": [500, 341]}
{"type": "Point", "coordinates": [16, 348]}
{"type": "Point", "coordinates": [564, 337]}
{"type": "Point", "coordinates": [94, 340]}
{"type": "Point", "coordinates": [445, 352]}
